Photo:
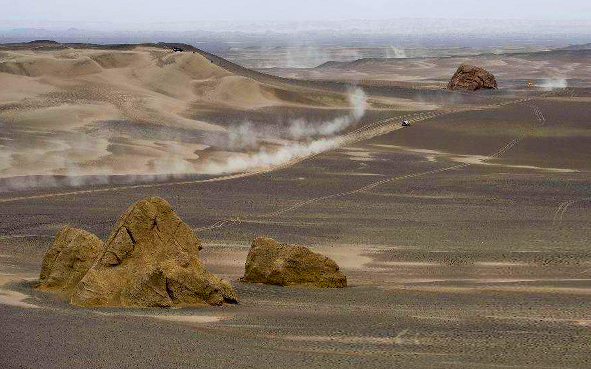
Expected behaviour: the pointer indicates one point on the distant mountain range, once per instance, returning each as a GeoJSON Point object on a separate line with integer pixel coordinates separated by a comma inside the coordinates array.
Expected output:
{"type": "Point", "coordinates": [578, 47]}
{"type": "Point", "coordinates": [215, 36]}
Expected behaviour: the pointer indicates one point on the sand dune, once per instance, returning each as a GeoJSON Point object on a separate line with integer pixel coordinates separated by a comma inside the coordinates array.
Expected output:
{"type": "Point", "coordinates": [52, 102]}
{"type": "Point", "coordinates": [35, 66]}
{"type": "Point", "coordinates": [241, 92]}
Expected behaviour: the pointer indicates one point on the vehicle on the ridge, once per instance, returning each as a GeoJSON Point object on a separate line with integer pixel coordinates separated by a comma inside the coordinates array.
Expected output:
{"type": "Point", "coordinates": [175, 49]}
{"type": "Point", "coordinates": [405, 123]}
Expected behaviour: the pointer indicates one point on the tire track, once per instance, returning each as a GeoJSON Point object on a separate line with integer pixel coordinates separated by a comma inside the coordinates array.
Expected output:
{"type": "Point", "coordinates": [559, 213]}
{"type": "Point", "coordinates": [541, 120]}
{"type": "Point", "coordinates": [537, 112]}
{"type": "Point", "coordinates": [562, 209]}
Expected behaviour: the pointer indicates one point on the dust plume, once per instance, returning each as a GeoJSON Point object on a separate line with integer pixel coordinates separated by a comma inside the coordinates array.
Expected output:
{"type": "Point", "coordinates": [247, 135]}
{"type": "Point", "coordinates": [318, 138]}
{"type": "Point", "coordinates": [553, 84]}
{"type": "Point", "coordinates": [396, 53]}
{"type": "Point", "coordinates": [300, 128]}
{"type": "Point", "coordinates": [265, 158]}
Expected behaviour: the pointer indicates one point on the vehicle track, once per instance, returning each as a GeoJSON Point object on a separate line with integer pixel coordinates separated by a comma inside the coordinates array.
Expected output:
{"type": "Point", "coordinates": [562, 209]}
{"type": "Point", "coordinates": [537, 111]}
{"type": "Point", "coordinates": [370, 186]}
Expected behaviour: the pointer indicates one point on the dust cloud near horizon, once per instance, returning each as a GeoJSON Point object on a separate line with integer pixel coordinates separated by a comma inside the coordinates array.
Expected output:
{"type": "Point", "coordinates": [554, 84]}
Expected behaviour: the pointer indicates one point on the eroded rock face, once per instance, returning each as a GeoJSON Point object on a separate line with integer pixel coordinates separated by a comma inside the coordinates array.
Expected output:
{"type": "Point", "coordinates": [270, 262]}
{"type": "Point", "coordinates": [68, 259]}
{"type": "Point", "coordinates": [151, 259]}
{"type": "Point", "coordinates": [469, 77]}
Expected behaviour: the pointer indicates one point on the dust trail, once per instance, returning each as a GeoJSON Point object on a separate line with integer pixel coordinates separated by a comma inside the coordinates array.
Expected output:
{"type": "Point", "coordinates": [553, 84]}
{"type": "Point", "coordinates": [301, 128]}
{"type": "Point", "coordinates": [265, 158]}
{"type": "Point", "coordinates": [396, 53]}
{"type": "Point", "coordinates": [246, 135]}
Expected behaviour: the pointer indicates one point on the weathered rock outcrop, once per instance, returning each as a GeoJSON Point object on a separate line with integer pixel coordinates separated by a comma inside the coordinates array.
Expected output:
{"type": "Point", "coordinates": [151, 259]}
{"type": "Point", "coordinates": [67, 260]}
{"type": "Point", "coordinates": [270, 262]}
{"type": "Point", "coordinates": [469, 77]}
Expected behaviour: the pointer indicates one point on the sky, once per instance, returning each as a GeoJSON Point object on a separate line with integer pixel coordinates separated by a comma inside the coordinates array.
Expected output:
{"type": "Point", "coordinates": [149, 11]}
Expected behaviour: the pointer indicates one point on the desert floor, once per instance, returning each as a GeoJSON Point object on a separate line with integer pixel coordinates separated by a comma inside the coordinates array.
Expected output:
{"type": "Point", "coordinates": [464, 237]}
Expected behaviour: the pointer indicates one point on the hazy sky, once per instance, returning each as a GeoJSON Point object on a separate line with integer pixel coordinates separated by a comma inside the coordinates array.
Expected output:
{"type": "Point", "coordinates": [287, 10]}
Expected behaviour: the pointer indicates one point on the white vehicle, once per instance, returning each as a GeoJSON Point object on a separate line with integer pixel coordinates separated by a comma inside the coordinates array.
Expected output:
{"type": "Point", "coordinates": [405, 123]}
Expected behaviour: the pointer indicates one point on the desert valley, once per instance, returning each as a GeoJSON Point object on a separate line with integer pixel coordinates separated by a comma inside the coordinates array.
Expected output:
{"type": "Point", "coordinates": [178, 182]}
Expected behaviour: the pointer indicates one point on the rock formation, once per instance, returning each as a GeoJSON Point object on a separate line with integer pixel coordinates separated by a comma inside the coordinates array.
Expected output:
{"type": "Point", "coordinates": [69, 257]}
{"type": "Point", "coordinates": [151, 259]}
{"type": "Point", "coordinates": [472, 78]}
{"type": "Point", "coordinates": [270, 262]}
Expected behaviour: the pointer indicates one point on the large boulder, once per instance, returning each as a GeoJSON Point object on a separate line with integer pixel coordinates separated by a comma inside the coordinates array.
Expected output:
{"type": "Point", "coordinates": [67, 260]}
{"type": "Point", "coordinates": [469, 77]}
{"type": "Point", "coordinates": [270, 262]}
{"type": "Point", "coordinates": [151, 259]}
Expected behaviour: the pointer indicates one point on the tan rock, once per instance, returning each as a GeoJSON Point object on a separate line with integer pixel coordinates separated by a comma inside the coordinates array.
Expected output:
{"type": "Point", "coordinates": [151, 259]}
{"type": "Point", "coordinates": [469, 77]}
{"type": "Point", "coordinates": [69, 257]}
{"type": "Point", "coordinates": [270, 262]}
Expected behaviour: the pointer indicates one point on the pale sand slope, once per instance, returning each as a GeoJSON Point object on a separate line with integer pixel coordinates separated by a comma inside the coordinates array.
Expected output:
{"type": "Point", "coordinates": [92, 111]}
